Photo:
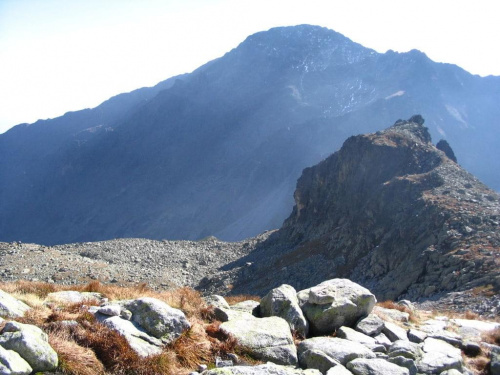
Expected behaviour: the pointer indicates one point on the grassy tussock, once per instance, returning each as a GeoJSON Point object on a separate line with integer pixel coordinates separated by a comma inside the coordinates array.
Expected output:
{"type": "Point", "coordinates": [492, 337]}
{"type": "Point", "coordinates": [73, 358]}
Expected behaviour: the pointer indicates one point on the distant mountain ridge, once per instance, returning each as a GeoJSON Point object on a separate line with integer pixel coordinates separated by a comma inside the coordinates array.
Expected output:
{"type": "Point", "coordinates": [218, 151]}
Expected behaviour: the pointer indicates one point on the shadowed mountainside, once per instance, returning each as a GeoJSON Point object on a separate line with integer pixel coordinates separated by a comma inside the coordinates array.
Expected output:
{"type": "Point", "coordinates": [218, 151]}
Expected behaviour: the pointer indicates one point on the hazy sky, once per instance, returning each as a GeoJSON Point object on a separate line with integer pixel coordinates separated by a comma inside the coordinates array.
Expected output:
{"type": "Point", "coordinates": [58, 56]}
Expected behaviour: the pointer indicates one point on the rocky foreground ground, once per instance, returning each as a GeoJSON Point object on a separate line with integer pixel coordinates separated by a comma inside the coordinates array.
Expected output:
{"type": "Point", "coordinates": [334, 328]}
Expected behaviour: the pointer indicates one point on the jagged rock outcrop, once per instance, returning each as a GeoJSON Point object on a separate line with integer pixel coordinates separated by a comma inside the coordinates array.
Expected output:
{"type": "Point", "coordinates": [389, 211]}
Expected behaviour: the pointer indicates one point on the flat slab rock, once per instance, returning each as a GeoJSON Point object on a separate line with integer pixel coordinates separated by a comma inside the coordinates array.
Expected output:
{"type": "Point", "coordinates": [341, 350]}
{"type": "Point", "coordinates": [439, 356]}
{"type": "Point", "coordinates": [363, 366]}
{"type": "Point", "coordinates": [268, 339]}
{"type": "Point", "coordinates": [267, 369]}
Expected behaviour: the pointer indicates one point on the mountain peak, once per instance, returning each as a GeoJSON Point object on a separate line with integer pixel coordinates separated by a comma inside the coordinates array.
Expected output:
{"type": "Point", "coordinates": [413, 128]}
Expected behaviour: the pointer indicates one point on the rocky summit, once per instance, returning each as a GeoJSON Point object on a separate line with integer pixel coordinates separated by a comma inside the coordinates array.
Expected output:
{"type": "Point", "coordinates": [388, 210]}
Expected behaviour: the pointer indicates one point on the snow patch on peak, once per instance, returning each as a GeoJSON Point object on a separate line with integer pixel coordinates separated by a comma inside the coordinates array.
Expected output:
{"type": "Point", "coordinates": [397, 93]}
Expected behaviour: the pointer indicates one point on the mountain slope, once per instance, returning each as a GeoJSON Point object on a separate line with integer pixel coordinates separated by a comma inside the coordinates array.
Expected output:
{"type": "Point", "coordinates": [218, 151]}
{"type": "Point", "coordinates": [388, 210]}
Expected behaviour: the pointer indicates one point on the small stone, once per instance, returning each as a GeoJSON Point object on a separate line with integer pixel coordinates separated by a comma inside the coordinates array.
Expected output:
{"type": "Point", "coordinates": [416, 336]}
{"type": "Point", "coordinates": [202, 368]}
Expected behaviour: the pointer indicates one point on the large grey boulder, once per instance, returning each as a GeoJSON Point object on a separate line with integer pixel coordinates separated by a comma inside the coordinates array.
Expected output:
{"type": "Point", "coordinates": [439, 356]}
{"type": "Point", "coordinates": [142, 343]}
{"type": "Point", "coordinates": [31, 343]}
{"type": "Point", "coordinates": [335, 303]}
{"type": "Point", "coordinates": [341, 350]}
{"type": "Point", "coordinates": [363, 366]}
{"type": "Point", "coordinates": [372, 325]}
{"type": "Point", "coordinates": [268, 339]}
{"type": "Point", "coordinates": [267, 369]}
{"type": "Point", "coordinates": [157, 318]}
{"type": "Point", "coordinates": [11, 307]}
{"type": "Point", "coordinates": [12, 363]}
{"type": "Point", "coordinates": [283, 302]}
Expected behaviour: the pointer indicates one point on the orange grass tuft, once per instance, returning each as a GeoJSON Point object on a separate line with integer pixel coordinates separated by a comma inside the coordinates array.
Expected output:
{"type": "Point", "coordinates": [74, 359]}
{"type": "Point", "coordinates": [231, 300]}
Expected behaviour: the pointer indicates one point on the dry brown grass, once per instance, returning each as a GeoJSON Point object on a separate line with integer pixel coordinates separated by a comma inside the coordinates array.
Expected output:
{"type": "Point", "coordinates": [413, 317]}
{"type": "Point", "coordinates": [73, 358]}
{"type": "Point", "coordinates": [90, 348]}
{"type": "Point", "coordinates": [231, 300]}
{"type": "Point", "coordinates": [193, 347]}
{"type": "Point", "coordinates": [479, 365]}
{"type": "Point", "coordinates": [492, 337]}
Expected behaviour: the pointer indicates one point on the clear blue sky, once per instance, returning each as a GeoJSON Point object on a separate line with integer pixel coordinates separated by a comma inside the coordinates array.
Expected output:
{"type": "Point", "coordinates": [65, 55]}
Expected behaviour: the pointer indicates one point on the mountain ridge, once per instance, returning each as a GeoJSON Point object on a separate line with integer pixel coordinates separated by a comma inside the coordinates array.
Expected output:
{"type": "Point", "coordinates": [218, 152]}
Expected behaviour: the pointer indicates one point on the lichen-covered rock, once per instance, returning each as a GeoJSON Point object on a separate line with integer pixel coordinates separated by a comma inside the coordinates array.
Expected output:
{"type": "Point", "coordinates": [11, 307]}
{"type": "Point", "coordinates": [439, 356]}
{"type": "Point", "coordinates": [12, 363]}
{"type": "Point", "coordinates": [31, 343]}
{"type": "Point", "coordinates": [267, 369]}
{"type": "Point", "coordinates": [341, 350]}
{"type": "Point", "coordinates": [268, 339]}
{"type": "Point", "coordinates": [157, 318]}
{"type": "Point", "coordinates": [249, 306]}
{"type": "Point", "coordinates": [335, 303]}
{"type": "Point", "coordinates": [363, 366]}
{"type": "Point", "coordinates": [142, 343]}
{"type": "Point", "coordinates": [283, 302]}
